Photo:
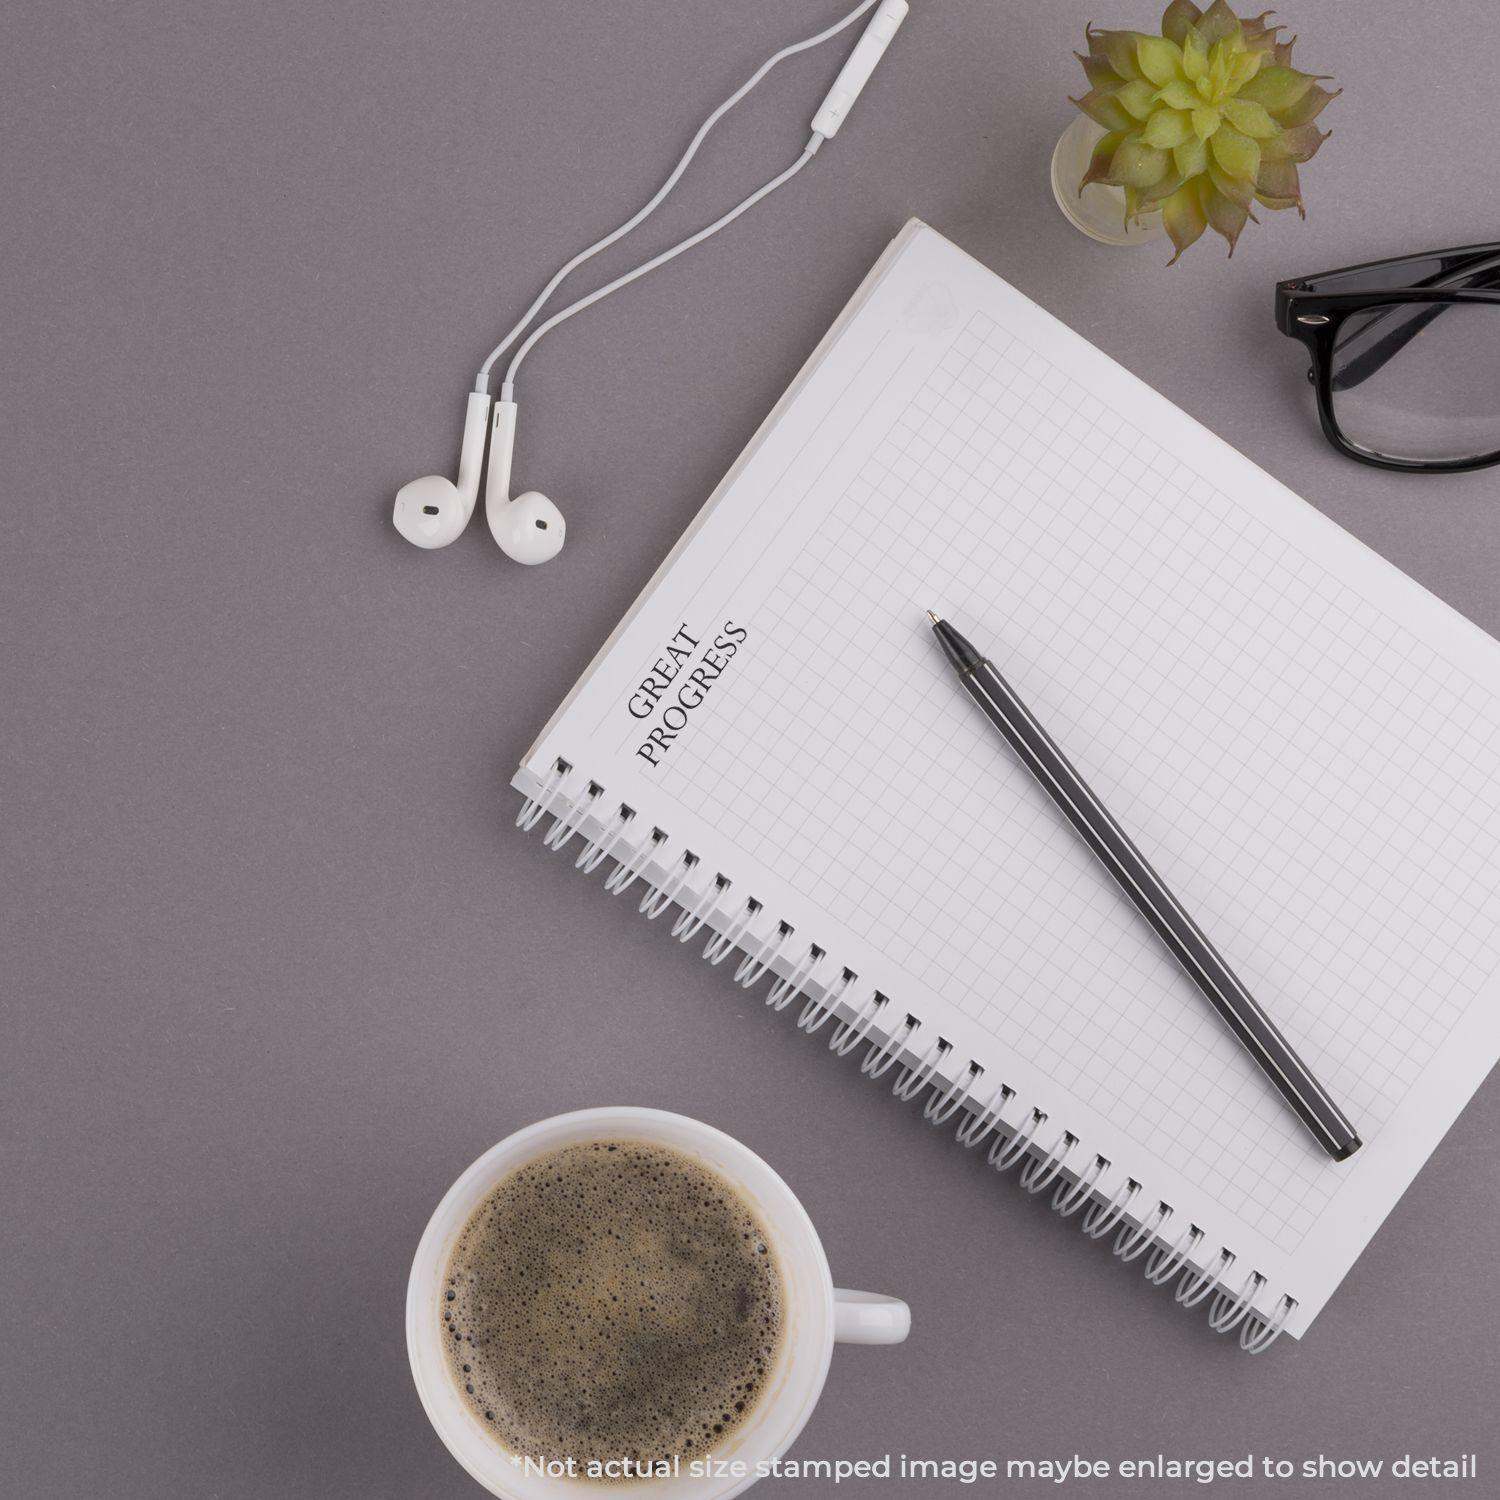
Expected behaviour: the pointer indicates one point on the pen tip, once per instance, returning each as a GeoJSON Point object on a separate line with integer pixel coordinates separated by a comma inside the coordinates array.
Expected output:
{"type": "Point", "coordinates": [933, 618]}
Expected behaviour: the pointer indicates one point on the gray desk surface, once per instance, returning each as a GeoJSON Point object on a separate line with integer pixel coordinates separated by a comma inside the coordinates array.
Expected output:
{"type": "Point", "coordinates": [276, 964]}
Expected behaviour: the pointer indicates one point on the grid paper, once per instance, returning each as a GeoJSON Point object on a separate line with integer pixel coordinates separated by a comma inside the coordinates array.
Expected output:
{"type": "Point", "coordinates": [1281, 749]}
{"type": "Point", "coordinates": [1318, 784]}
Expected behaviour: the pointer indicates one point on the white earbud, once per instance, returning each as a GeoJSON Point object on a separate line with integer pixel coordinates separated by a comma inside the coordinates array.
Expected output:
{"type": "Point", "coordinates": [529, 528]}
{"type": "Point", "coordinates": [433, 511]}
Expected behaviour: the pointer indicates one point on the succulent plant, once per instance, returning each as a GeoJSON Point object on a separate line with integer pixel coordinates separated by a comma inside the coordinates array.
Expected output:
{"type": "Point", "coordinates": [1202, 121]}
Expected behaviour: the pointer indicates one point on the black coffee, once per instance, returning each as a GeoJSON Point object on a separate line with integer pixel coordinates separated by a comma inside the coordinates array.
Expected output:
{"type": "Point", "coordinates": [612, 1300]}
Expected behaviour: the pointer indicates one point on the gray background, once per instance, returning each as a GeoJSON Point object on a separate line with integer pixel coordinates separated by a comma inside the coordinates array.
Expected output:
{"type": "Point", "coordinates": [276, 965]}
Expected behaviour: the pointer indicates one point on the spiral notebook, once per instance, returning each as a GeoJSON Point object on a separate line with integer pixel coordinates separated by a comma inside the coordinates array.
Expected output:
{"type": "Point", "coordinates": [770, 754]}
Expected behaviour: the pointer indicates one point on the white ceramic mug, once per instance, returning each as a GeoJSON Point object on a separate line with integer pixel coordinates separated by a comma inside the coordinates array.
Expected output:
{"type": "Point", "coordinates": [818, 1313]}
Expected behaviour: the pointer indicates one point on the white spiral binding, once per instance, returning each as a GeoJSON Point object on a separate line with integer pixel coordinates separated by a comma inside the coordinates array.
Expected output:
{"type": "Point", "coordinates": [689, 921]}
{"type": "Point", "coordinates": [784, 991]}
{"type": "Point", "coordinates": [749, 969]}
{"type": "Point", "coordinates": [1104, 1215]}
{"type": "Point", "coordinates": [847, 1035]}
{"type": "Point", "coordinates": [1259, 1333]}
{"type": "Point", "coordinates": [1039, 1171]}
{"type": "Point", "coordinates": [1163, 1264]}
{"type": "Point", "coordinates": [1004, 1154]}
{"type": "Point", "coordinates": [815, 1012]}
{"type": "Point", "coordinates": [722, 944]}
{"type": "Point", "coordinates": [566, 824]}
{"type": "Point", "coordinates": [1070, 1197]}
{"type": "Point", "coordinates": [627, 872]}
{"type": "Point", "coordinates": [941, 1107]}
{"type": "Point", "coordinates": [1139, 1224]}
{"type": "Point", "coordinates": [972, 1131]}
{"type": "Point", "coordinates": [1133, 1239]}
{"type": "Point", "coordinates": [599, 848]}
{"type": "Point", "coordinates": [1224, 1312]}
{"type": "Point", "coordinates": [1191, 1290]}
{"type": "Point", "coordinates": [659, 897]}
{"type": "Point", "coordinates": [913, 1080]}
{"type": "Point", "coordinates": [880, 1059]}
{"type": "Point", "coordinates": [534, 808]}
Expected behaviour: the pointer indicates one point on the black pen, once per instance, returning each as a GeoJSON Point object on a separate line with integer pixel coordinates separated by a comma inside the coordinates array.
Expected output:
{"type": "Point", "coordinates": [1184, 938]}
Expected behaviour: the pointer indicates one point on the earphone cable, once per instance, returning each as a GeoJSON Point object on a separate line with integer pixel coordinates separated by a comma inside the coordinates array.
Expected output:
{"type": "Point", "coordinates": [482, 381]}
{"type": "Point", "coordinates": [507, 390]}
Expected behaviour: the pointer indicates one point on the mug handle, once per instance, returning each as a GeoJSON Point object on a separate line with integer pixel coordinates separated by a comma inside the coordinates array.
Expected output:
{"type": "Point", "coordinates": [869, 1318]}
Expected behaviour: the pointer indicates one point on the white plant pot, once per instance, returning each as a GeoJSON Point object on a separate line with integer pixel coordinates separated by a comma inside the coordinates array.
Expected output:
{"type": "Point", "coordinates": [1099, 210]}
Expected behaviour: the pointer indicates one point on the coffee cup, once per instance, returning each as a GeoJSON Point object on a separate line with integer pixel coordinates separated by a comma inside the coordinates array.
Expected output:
{"type": "Point", "coordinates": [817, 1315]}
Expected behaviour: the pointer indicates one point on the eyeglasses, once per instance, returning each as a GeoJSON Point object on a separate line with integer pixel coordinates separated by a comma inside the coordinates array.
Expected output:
{"type": "Point", "coordinates": [1405, 357]}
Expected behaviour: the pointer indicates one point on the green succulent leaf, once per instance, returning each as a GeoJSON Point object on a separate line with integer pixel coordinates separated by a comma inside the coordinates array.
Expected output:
{"type": "Point", "coordinates": [1278, 186]}
{"type": "Point", "coordinates": [1190, 158]}
{"type": "Point", "coordinates": [1250, 119]}
{"type": "Point", "coordinates": [1266, 201]}
{"type": "Point", "coordinates": [1178, 18]}
{"type": "Point", "coordinates": [1137, 97]}
{"type": "Point", "coordinates": [1242, 69]}
{"type": "Point", "coordinates": [1240, 189]}
{"type": "Point", "coordinates": [1104, 153]}
{"type": "Point", "coordinates": [1167, 128]}
{"type": "Point", "coordinates": [1264, 47]}
{"type": "Point", "coordinates": [1237, 154]}
{"type": "Point", "coordinates": [1194, 56]}
{"type": "Point", "coordinates": [1098, 72]}
{"type": "Point", "coordinates": [1184, 219]}
{"type": "Point", "coordinates": [1179, 95]}
{"type": "Point", "coordinates": [1136, 164]}
{"type": "Point", "coordinates": [1104, 109]}
{"type": "Point", "coordinates": [1300, 144]}
{"type": "Point", "coordinates": [1307, 108]}
{"type": "Point", "coordinates": [1218, 22]}
{"type": "Point", "coordinates": [1160, 60]}
{"type": "Point", "coordinates": [1276, 87]}
{"type": "Point", "coordinates": [1117, 48]}
{"type": "Point", "coordinates": [1225, 215]}
{"type": "Point", "coordinates": [1218, 72]}
{"type": "Point", "coordinates": [1151, 197]}
{"type": "Point", "coordinates": [1206, 120]}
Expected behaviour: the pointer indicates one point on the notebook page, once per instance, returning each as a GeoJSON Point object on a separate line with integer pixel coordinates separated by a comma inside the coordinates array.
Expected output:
{"type": "Point", "coordinates": [1304, 742]}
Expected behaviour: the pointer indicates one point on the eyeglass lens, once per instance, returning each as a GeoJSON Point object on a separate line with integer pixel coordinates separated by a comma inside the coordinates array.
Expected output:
{"type": "Point", "coordinates": [1420, 381]}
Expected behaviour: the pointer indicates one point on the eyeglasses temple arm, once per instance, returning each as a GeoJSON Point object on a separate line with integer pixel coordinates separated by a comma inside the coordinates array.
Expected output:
{"type": "Point", "coordinates": [1358, 368]}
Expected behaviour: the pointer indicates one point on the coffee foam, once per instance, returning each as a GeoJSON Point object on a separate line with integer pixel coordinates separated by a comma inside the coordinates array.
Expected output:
{"type": "Point", "coordinates": [613, 1299]}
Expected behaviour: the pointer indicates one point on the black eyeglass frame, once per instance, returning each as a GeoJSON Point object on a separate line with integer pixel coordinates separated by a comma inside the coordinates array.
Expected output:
{"type": "Point", "coordinates": [1314, 317]}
